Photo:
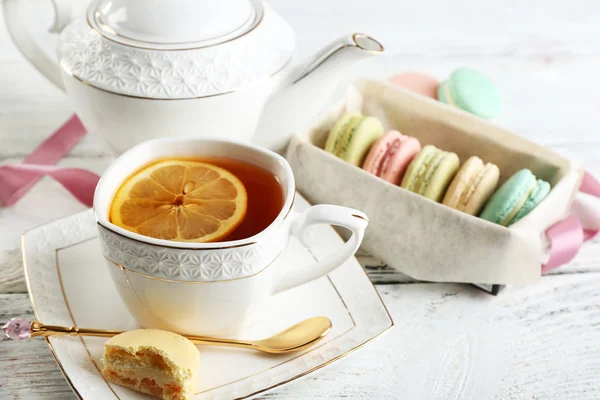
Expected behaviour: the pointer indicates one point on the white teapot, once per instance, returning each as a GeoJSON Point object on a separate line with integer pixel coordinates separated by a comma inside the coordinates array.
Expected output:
{"type": "Point", "coordinates": [139, 69]}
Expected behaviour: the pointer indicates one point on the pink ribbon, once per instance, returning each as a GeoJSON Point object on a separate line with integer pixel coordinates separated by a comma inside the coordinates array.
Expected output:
{"type": "Point", "coordinates": [567, 236]}
{"type": "Point", "coordinates": [80, 182]}
{"type": "Point", "coordinates": [17, 179]}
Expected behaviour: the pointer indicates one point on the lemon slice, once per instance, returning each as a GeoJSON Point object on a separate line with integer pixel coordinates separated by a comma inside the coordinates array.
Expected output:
{"type": "Point", "coordinates": [185, 201]}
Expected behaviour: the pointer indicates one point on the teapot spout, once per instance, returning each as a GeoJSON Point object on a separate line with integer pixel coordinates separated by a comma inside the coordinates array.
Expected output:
{"type": "Point", "coordinates": [336, 56]}
{"type": "Point", "coordinates": [310, 86]}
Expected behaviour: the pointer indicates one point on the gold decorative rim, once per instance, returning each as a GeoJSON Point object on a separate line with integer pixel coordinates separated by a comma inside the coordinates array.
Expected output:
{"type": "Point", "coordinates": [360, 217]}
{"type": "Point", "coordinates": [124, 268]}
{"type": "Point", "coordinates": [26, 273]}
{"type": "Point", "coordinates": [174, 247]}
{"type": "Point", "coordinates": [111, 31]}
{"type": "Point", "coordinates": [62, 369]}
{"type": "Point", "coordinates": [287, 214]}
{"type": "Point", "coordinates": [257, 4]}
{"type": "Point", "coordinates": [293, 378]}
{"type": "Point", "coordinates": [62, 290]}
{"type": "Point", "coordinates": [68, 72]}
{"type": "Point", "coordinates": [381, 48]}
{"type": "Point", "coordinates": [387, 329]}
{"type": "Point", "coordinates": [86, 83]}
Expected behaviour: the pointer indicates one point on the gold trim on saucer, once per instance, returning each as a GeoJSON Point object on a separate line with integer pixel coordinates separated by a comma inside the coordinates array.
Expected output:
{"type": "Point", "coordinates": [26, 273]}
{"type": "Point", "coordinates": [37, 316]}
{"type": "Point", "coordinates": [62, 289]}
{"type": "Point", "coordinates": [352, 350]}
{"type": "Point", "coordinates": [62, 369]}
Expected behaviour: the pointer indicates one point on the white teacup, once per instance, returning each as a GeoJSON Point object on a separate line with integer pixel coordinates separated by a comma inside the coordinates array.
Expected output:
{"type": "Point", "coordinates": [216, 288]}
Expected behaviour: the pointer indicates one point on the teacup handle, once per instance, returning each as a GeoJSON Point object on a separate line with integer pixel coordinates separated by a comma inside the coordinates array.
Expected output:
{"type": "Point", "coordinates": [349, 218]}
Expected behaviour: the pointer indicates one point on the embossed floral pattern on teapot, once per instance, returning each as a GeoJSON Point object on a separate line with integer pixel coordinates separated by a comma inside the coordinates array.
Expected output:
{"type": "Point", "coordinates": [196, 68]}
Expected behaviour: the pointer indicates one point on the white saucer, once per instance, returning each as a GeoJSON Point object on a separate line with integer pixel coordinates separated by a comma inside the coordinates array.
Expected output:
{"type": "Point", "coordinates": [69, 284]}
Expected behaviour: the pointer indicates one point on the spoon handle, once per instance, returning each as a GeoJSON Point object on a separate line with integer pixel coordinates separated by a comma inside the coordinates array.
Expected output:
{"type": "Point", "coordinates": [39, 329]}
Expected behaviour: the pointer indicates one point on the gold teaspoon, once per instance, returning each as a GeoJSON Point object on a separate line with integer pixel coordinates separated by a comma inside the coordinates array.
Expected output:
{"type": "Point", "coordinates": [295, 338]}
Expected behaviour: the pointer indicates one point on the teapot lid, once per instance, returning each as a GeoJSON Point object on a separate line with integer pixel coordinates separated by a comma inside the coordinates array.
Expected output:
{"type": "Point", "coordinates": [172, 23]}
{"type": "Point", "coordinates": [175, 49]}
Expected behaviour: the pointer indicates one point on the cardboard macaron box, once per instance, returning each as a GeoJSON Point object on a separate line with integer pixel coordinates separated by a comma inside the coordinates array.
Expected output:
{"type": "Point", "coordinates": [411, 228]}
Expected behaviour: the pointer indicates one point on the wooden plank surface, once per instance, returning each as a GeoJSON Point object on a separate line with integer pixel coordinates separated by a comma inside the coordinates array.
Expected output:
{"type": "Point", "coordinates": [451, 341]}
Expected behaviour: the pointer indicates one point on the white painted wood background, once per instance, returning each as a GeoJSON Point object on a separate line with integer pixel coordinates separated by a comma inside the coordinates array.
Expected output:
{"type": "Point", "coordinates": [450, 341]}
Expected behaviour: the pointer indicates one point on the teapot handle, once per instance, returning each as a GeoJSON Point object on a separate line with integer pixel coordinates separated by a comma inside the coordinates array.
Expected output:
{"type": "Point", "coordinates": [14, 14]}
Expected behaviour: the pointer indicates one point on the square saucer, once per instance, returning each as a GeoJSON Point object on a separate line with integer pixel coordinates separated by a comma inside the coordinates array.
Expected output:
{"type": "Point", "coordinates": [70, 285]}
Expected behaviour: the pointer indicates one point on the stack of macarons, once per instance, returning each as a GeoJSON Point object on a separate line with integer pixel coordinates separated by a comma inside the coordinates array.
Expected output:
{"type": "Point", "coordinates": [434, 173]}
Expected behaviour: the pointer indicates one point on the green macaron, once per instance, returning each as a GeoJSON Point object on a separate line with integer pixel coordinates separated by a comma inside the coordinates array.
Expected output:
{"type": "Point", "coordinates": [516, 198]}
{"type": "Point", "coordinates": [337, 131]}
{"type": "Point", "coordinates": [430, 172]}
{"type": "Point", "coordinates": [471, 91]}
{"type": "Point", "coordinates": [352, 136]}
{"type": "Point", "coordinates": [540, 192]}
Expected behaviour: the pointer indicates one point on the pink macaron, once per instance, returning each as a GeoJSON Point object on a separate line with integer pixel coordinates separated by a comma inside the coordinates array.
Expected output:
{"type": "Point", "coordinates": [417, 82]}
{"type": "Point", "coordinates": [390, 156]}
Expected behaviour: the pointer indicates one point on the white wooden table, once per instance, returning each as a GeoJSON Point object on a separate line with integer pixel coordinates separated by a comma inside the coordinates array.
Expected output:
{"type": "Point", "coordinates": [450, 341]}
